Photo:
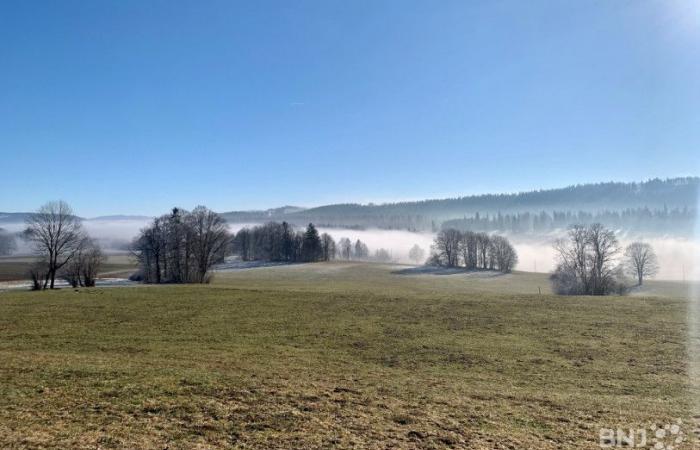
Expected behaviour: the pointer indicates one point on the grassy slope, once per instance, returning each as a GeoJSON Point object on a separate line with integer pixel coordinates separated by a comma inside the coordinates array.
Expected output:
{"type": "Point", "coordinates": [336, 354]}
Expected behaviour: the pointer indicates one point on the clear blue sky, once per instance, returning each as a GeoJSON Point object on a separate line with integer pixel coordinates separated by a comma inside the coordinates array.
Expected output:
{"type": "Point", "coordinates": [134, 106]}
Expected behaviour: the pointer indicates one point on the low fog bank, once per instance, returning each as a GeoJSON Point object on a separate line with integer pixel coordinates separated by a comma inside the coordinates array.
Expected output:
{"type": "Point", "coordinates": [678, 257]}
{"type": "Point", "coordinates": [112, 235]}
{"type": "Point", "coordinates": [397, 242]}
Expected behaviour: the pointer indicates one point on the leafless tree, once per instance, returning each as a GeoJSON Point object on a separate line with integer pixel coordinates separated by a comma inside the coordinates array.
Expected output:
{"type": "Point", "coordinates": [447, 245]}
{"type": "Point", "coordinates": [641, 261]}
{"type": "Point", "coordinates": [504, 254]}
{"type": "Point", "coordinates": [587, 262]}
{"type": "Point", "coordinates": [38, 274]}
{"type": "Point", "coordinates": [382, 255]}
{"type": "Point", "coordinates": [327, 247]}
{"type": "Point", "coordinates": [56, 234]}
{"type": "Point", "coordinates": [483, 243]}
{"type": "Point", "coordinates": [242, 244]}
{"type": "Point", "coordinates": [210, 236]}
{"type": "Point", "coordinates": [416, 254]}
{"type": "Point", "coordinates": [573, 273]}
{"type": "Point", "coordinates": [468, 245]}
{"type": "Point", "coordinates": [83, 268]}
{"type": "Point", "coordinates": [361, 250]}
{"type": "Point", "coordinates": [91, 259]}
{"type": "Point", "coordinates": [605, 248]}
{"type": "Point", "coordinates": [345, 248]}
{"type": "Point", "coordinates": [150, 248]}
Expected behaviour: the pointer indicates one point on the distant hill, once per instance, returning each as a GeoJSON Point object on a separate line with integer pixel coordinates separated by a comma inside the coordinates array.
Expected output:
{"type": "Point", "coordinates": [660, 205]}
{"type": "Point", "coordinates": [670, 194]}
{"type": "Point", "coordinates": [16, 217]}
{"type": "Point", "coordinates": [117, 218]}
{"type": "Point", "coordinates": [20, 217]}
{"type": "Point", "coordinates": [261, 215]}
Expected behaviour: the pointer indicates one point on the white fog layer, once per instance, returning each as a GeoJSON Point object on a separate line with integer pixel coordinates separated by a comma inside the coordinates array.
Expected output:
{"type": "Point", "coordinates": [677, 256]}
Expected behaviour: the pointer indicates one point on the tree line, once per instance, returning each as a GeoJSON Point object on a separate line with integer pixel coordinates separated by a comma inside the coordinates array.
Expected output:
{"type": "Point", "coordinates": [471, 250]}
{"type": "Point", "coordinates": [281, 242]}
{"type": "Point", "coordinates": [677, 196]}
{"type": "Point", "coordinates": [590, 261]}
{"type": "Point", "coordinates": [181, 247]}
{"type": "Point", "coordinates": [679, 220]}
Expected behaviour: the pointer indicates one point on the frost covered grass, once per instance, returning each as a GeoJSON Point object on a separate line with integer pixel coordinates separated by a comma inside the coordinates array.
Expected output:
{"type": "Point", "coordinates": [336, 355]}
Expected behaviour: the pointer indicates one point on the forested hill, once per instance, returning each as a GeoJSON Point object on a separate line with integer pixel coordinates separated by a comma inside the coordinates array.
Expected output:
{"type": "Point", "coordinates": [677, 195]}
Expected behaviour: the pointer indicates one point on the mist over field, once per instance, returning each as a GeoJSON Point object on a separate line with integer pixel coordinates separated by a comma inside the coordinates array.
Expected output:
{"type": "Point", "coordinates": [678, 257]}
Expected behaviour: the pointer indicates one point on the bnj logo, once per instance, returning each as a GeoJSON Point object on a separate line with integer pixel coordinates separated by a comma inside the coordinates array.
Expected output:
{"type": "Point", "coordinates": [664, 437]}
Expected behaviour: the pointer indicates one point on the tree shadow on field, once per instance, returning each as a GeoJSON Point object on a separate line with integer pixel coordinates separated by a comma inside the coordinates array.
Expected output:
{"type": "Point", "coordinates": [436, 270]}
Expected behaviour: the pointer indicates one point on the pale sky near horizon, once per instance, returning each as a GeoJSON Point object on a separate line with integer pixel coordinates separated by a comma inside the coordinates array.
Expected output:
{"type": "Point", "coordinates": [131, 107]}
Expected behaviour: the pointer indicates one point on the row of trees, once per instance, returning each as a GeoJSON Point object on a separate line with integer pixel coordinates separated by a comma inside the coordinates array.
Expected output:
{"type": "Point", "coordinates": [63, 247]}
{"type": "Point", "coordinates": [181, 247]}
{"type": "Point", "coordinates": [280, 242]}
{"type": "Point", "coordinates": [679, 220]}
{"type": "Point", "coordinates": [589, 262]}
{"type": "Point", "coordinates": [454, 248]}
{"type": "Point", "coordinates": [349, 250]}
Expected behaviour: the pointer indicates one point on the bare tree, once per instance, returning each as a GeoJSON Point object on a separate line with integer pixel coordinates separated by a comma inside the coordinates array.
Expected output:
{"type": "Point", "coordinates": [573, 272]}
{"type": "Point", "coordinates": [38, 274]}
{"type": "Point", "coordinates": [446, 246]}
{"type": "Point", "coordinates": [345, 248]}
{"type": "Point", "coordinates": [587, 262]}
{"type": "Point", "coordinates": [416, 254]}
{"type": "Point", "coordinates": [483, 243]}
{"type": "Point", "coordinates": [210, 235]}
{"type": "Point", "coordinates": [328, 247]}
{"type": "Point", "coordinates": [242, 244]}
{"type": "Point", "coordinates": [71, 272]}
{"type": "Point", "coordinates": [149, 248]}
{"type": "Point", "coordinates": [605, 248]}
{"type": "Point", "coordinates": [641, 261]}
{"type": "Point", "coordinates": [504, 254]}
{"type": "Point", "coordinates": [361, 250]}
{"type": "Point", "coordinates": [382, 255]}
{"type": "Point", "coordinates": [91, 260]}
{"type": "Point", "coordinates": [468, 245]}
{"type": "Point", "coordinates": [83, 268]}
{"type": "Point", "coordinates": [56, 234]}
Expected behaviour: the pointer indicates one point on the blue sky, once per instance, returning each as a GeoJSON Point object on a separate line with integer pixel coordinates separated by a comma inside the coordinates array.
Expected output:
{"type": "Point", "coordinates": [136, 106]}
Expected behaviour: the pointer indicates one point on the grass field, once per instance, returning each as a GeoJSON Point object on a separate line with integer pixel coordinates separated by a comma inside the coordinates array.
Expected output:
{"type": "Point", "coordinates": [14, 268]}
{"type": "Point", "coordinates": [338, 355]}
